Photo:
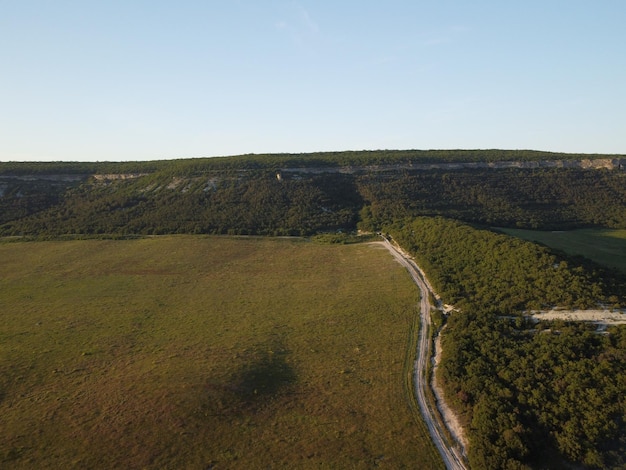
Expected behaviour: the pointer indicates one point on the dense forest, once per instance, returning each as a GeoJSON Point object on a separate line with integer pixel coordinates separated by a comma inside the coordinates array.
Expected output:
{"type": "Point", "coordinates": [529, 198]}
{"type": "Point", "coordinates": [529, 393]}
{"type": "Point", "coordinates": [226, 204]}
{"type": "Point", "coordinates": [500, 273]}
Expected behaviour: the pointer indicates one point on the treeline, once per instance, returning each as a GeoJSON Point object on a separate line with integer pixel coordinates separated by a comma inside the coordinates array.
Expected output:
{"type": "Point", "coordinates": [78, 168]}
{"type": "Point", "coordinates": [186, 166]}
{"type": "Point", "coordinates": [533, 396]}
{"type": "Point", "coordinates": [529, 198]}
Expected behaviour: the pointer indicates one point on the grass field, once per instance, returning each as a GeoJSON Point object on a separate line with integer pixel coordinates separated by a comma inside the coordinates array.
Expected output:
{"type": "Point", "coordinates": [198, 352]}
{"type": "Point", "coordinates": [607, 247]}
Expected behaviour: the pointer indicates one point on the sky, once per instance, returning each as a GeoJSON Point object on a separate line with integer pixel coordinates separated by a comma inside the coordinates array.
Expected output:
{"type": "Point", "coordinates": [127, 80]}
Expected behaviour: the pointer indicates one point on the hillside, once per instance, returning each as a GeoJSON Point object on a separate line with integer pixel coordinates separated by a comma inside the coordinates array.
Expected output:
{"type": "Point", "coordinates": [309, 193]}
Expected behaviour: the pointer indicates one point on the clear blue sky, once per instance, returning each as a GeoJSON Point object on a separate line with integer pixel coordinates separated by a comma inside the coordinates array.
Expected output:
{"type": "Point", "coordinates": [88, 80]}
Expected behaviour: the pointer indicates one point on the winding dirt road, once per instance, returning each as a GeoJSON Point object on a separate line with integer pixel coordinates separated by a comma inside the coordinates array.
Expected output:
{"type": "Point", "coordinates": [450, 452]}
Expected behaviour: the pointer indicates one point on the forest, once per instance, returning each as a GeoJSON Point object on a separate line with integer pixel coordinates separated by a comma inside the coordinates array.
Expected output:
{"type": "Point", "coordinates": [304, 194]}
{"type": "Point", "coordinates": [548, 199]}
{"type": "Point", "coordinates": [225, 204]}
{"type": "Point", "coordinates": [527, 393]}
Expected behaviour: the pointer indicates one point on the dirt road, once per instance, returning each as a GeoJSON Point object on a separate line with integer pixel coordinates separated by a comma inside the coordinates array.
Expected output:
{"type": "Point", "coordinates": [600, 317]}
{"type": "Point", "coordinates": [449, 451]}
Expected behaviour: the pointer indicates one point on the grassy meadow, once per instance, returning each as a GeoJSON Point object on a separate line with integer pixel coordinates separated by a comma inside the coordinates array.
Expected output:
{"type": "Point", "coordinates": [206, 352]}
{"type": "Point", "coordinates": [604, 246]}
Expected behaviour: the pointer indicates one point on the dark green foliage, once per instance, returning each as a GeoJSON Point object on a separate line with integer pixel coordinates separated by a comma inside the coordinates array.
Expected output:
{"type": "Point", "coordinates": [256, 203]}
{"type": "Point", "coordinates": [21, 196]}
{"type": "Point", "coordinates": [533, 393]}
{"type": "Point", "coordinates": [530, 198]}
{"type": "Point", "coordinates": [317, 192]}
{"type": "Point", "coordinates": [195, 166]}
{"type": "Point", "coordinates": [498, 272]}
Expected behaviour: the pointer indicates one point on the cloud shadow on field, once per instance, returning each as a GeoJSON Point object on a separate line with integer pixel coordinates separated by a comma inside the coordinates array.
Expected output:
{"type": "Point", "coordinates": [263, 376]}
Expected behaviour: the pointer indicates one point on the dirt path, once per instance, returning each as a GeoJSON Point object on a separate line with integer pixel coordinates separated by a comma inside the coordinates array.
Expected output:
{"type": "Point", "coordinates": [452, 421]}
{"type": "Point", "coordinates": [602, 318]}
{"type": "Point", "coordinates": [451, 453]}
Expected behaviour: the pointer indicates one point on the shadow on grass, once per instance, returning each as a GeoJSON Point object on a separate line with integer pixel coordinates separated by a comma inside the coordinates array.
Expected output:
{"type": "Point", "coordinates": [264, 376]}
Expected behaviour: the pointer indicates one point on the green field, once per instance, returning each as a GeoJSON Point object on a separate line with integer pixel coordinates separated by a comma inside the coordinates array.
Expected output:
{"type": "Point", "coordinates": [192, 352]}
{"type": "Point", "coordinates": [604, 246]}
